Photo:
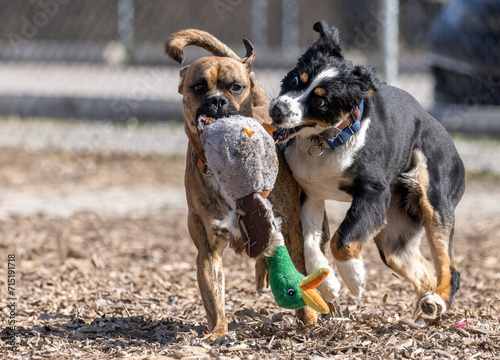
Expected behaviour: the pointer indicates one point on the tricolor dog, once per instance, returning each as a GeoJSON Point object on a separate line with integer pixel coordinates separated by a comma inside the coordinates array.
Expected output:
{"type": "Point", "coordinates": [349, 137]}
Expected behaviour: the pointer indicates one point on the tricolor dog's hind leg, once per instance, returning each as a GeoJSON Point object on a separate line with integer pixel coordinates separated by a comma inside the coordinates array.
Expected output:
{"type": "Point", "coordinates": [437, 201]}
{"type": "Point", "coordinates": [417, 205]}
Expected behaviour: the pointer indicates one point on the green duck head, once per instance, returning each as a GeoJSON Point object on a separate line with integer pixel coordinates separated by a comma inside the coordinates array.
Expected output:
{"type": "Point", "coordinates": [291, 289]}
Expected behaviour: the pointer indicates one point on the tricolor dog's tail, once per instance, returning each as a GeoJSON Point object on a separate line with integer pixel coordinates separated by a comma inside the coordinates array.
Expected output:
{"type": "Point", "coordinates": [175, 44]}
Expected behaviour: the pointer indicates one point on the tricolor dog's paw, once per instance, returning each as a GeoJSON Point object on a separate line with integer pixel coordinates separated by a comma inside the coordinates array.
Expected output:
{"type": "Point", "coordinates": [432, 305]}
{"type": "Point", "coordinates": [353, 273]}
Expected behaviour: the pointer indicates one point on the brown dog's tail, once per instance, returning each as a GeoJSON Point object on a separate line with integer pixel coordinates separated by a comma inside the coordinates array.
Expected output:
{"type": "Point", "coordinates": [175, 44]}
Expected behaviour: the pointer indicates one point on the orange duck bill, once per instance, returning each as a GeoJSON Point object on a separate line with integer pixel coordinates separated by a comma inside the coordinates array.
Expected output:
{"type": "Point", "coordinates": [311, 296]}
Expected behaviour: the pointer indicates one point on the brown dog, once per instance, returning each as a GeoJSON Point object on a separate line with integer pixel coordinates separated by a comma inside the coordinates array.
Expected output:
{"type": "Point", "coordinates": [220, 86]}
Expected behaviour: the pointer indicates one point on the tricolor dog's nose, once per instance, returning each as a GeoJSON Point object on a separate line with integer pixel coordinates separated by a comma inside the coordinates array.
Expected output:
{"type": "Point", "coordinates": [279, 111]}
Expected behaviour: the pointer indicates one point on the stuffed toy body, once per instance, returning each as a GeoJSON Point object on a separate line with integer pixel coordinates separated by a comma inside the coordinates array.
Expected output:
{"type": "Point", "coordinates": [242, 157]}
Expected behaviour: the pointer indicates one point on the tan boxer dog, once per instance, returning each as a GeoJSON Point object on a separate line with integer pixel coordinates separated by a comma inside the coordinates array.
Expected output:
{"type": "Point", "coordinates": [214, 87]}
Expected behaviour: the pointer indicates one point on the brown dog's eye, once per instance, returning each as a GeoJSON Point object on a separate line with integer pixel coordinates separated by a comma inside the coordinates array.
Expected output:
{"type": "Point", "coordinates": [236, 88]}
{"type": "Point", "coordinates": [198, 87]}
{"type": "Point", "coordinates": [295, 81]}
{"type": "Point", "coordinates": [319, 102]}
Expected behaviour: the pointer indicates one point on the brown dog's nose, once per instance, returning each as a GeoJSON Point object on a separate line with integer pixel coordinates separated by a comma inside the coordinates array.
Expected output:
{"type": "Point", "coordinates": [217, 102]}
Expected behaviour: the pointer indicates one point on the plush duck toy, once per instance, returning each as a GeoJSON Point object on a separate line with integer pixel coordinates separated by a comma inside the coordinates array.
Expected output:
{"type": "Point", "coordinates": [242, 157]}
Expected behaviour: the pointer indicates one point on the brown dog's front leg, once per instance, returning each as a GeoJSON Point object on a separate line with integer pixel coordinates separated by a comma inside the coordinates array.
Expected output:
{"type": "Point", "coordinates": [211, 282]}
{"type": "Point", "coordinates": [210, 274]}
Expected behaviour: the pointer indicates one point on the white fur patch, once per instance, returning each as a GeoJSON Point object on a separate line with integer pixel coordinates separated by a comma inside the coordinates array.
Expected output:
{"type": "Point", "coordinates": [318, 79]}
{"type": "Point", "coordinates": [353, 274]}
{"type": "Point", "coordinates": [311, 218]}
{"type": "Point", "coordinates": [228, 223]}
{"type": "Point", "coordinates": [436, 301]}
{"type": "Point", "coordinates": [320, 175]}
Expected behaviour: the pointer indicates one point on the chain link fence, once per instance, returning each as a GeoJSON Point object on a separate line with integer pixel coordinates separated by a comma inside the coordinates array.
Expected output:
{"type": "Point", "coordinates": [104, 58]}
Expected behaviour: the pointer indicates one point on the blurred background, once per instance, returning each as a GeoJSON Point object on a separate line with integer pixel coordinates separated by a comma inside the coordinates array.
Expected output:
{"type": "Point", "coordinates": [103, 59]}
{"type": "Point", "coordinates": [92, 157]}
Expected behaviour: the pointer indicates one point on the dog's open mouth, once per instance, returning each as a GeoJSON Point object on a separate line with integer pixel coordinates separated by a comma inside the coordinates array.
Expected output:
{"type": "Point", "coordinates": [282, 134]}
{"type": "Point", "coordinates": [202, 121]}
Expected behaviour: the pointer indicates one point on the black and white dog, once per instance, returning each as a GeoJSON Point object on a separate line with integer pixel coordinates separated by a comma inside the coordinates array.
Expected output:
{"type": "Point", "coordinates": [351, 138]}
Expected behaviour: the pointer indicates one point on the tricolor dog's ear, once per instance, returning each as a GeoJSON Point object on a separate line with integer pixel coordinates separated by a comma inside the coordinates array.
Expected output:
{"type": "Point", "coordinates": [181, 82]}
{"type": "Point", "coordinates": [250, 56]}
{"type": "Point", "coordinates": [363, 81]}
{"type": "Point", "coordinates": [328, 37]}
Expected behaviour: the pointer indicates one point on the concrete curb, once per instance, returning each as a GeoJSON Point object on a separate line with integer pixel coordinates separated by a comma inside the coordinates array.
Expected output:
{"type": "Point", "coordinates": [117, 110]}
{"type": "Point", "coordinates": [483, 120]}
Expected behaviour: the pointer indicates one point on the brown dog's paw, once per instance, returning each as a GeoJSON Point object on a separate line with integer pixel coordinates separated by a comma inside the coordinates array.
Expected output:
{"type": "Point", "coordinates": [215, 334]}
{"type": "Point", "coordinates": [307, 316]}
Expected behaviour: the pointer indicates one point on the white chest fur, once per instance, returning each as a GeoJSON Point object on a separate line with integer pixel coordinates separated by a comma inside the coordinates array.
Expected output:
{"type": "Point", "coordinates": [228, 222]}
{"type": "Point", "coordinates": [320, 175]}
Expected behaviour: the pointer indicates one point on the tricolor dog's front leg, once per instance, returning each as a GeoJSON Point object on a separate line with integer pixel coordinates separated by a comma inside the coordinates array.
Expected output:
{"type": "Point", "coordinates": [311, 218]}
{"type": "Point", "coordinates": [364, 219]}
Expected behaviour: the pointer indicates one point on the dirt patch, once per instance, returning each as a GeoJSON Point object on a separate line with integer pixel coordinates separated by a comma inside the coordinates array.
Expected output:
{"type": "Point", "coordinates": [104, 285]}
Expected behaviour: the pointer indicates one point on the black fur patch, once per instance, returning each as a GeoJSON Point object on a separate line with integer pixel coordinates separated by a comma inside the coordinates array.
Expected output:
{"type": "Point", "coordinates": [454, 282]}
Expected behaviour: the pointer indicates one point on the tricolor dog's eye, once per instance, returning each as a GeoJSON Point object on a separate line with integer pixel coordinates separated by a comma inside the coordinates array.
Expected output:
{"type": "Point", "coordinates": [319, 102]}
{"type": "Point", "coordinates": [295, 81]}
{"type": "Point", "coordinates": [291, 292]}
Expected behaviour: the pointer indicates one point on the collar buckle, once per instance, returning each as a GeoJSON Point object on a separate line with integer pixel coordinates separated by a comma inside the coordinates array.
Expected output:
{"type": "Point", "coordinates": [341, 133]}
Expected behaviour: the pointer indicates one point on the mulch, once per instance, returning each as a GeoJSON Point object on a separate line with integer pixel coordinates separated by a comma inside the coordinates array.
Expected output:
{"type": "Point", "coordinates": [105, 287]}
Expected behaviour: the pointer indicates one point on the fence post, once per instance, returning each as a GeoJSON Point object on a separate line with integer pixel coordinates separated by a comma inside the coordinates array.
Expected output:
{"type": "Point", "coordinates": [390, 39]}
{"type": "Point", "coordinates": [290, 36]}
{"type": "Point", "coordinates": [259, 23]}
{"type": "Point", "coordinates": [126, 23]}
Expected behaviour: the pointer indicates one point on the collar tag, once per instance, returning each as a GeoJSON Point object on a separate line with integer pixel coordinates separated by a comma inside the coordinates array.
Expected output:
{"type": "Point", "coordinates": [316, 150]}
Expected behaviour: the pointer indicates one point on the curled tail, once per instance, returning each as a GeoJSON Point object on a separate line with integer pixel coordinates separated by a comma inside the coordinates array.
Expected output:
{"type": "Point", "coordinates": [175, 44]}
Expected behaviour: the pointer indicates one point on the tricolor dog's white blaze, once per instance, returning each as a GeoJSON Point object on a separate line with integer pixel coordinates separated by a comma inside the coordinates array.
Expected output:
{"type": "Point", "coordinates": [296, 103]}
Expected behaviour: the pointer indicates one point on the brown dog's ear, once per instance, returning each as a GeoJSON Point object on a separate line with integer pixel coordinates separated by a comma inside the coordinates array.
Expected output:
{"type": "Point", "coordinates": [250, 56]}
{"type": "Point", "coordinates": [181, 82]}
